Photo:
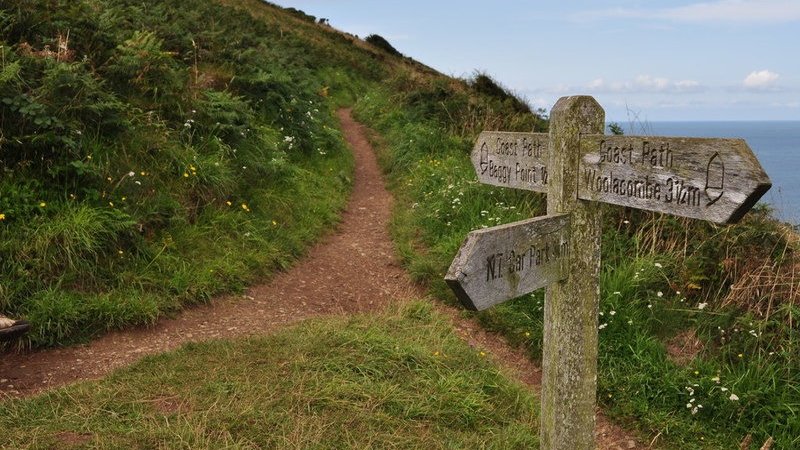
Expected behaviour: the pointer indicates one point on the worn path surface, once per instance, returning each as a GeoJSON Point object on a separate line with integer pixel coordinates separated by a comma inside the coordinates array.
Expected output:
{"type": "Point", "coordinates": [351, 270]}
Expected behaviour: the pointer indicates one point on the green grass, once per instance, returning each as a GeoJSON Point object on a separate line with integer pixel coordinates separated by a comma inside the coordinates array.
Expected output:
{"type": "Point", "coordinates": [159, 163]}
{"type": "Point", "coordinates": [657, 272]}
{"type": "Point", "coordinates": [399, 379]}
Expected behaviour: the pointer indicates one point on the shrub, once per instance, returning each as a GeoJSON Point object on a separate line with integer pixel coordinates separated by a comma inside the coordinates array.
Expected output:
{"type": "Point", "coordinates": [484, 84]}
{"type": "Point", "coordinates": [381, 43]}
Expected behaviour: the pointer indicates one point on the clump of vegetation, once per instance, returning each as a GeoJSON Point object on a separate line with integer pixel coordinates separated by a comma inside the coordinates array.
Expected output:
{"type": "Point", "coordinates": [381, 43]}
{"type": "Point", "coordinates": [486, 85]}
{"type": "Point", "coordinates": [398, 379]}
{"type": "Point", "coordinates": [301, 14]}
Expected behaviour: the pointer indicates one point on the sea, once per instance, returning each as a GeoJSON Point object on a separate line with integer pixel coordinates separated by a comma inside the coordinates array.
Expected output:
{"type": "Point", "coordinates": [775, 143]}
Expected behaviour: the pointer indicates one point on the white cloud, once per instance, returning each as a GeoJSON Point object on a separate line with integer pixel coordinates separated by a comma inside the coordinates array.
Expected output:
{"type": "Point", "coordinates": [643, 84]}
{"type": "Point", "coordinates": [597, 83]}
{"type": "Point", "coordinates": [736, 11]}
{"type": "Point", "coordinates": [762, 79]}
{"type": "Point", "coordinates": [687, 86]}
{"type": "Point", "coordinates": [649, 83]}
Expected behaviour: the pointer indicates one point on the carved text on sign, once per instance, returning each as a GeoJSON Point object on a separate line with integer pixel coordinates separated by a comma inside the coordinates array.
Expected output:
{"type": "Point", "coordinates": [517, 160]}
{"type": "Point", "coordinates": [712, 179]}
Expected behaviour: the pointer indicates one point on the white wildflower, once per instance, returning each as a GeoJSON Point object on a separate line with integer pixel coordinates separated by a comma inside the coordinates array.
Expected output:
{"type": "Point", "coordinates": [733, 397]}
{"type": "Point", "coordinates": [702, 306]}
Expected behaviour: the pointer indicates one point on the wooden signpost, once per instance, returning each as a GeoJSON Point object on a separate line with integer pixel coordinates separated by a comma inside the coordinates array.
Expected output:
{"type": "Point", "coordinates": [579, 168]}
{"type": "Point", "coordinates": [510, 260]}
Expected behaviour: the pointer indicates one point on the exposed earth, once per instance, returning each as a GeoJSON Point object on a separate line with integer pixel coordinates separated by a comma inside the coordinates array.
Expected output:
{"type": "Point", "coordinates": [353, 269]}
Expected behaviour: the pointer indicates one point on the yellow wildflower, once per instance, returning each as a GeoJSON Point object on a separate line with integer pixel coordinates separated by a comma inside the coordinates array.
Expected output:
{"type": "Point", "coordinates": [42, 204]}
{"type": "Point", "coordinates": [2, 216]}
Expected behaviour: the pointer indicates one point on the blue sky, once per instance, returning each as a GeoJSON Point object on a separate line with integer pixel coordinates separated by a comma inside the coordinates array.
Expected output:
{"type": "Point", "coordinates": [655, 60]}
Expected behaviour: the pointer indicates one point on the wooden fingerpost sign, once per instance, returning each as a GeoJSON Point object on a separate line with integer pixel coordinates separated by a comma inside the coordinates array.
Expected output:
{"type": "Point", "coordinates": [577, 166]}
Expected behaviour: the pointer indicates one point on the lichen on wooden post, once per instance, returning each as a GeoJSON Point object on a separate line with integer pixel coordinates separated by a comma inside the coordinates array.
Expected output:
{"type": "Point", "coordinates": [569, 372]}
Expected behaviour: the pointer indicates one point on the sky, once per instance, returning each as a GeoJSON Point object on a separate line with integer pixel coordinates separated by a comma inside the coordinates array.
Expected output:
{"type": "Point", "coordinates": [642, 60]}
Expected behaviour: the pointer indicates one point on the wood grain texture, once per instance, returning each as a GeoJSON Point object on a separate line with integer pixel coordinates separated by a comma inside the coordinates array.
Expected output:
{"type": "Point", "coordinates": [507, 261]}
{"type": "Point", "coordinates": [711, 179]}
{"type": "Point", "coordinates": [515, 160]}
{"type": "Point", "coordinates": [569, 363]}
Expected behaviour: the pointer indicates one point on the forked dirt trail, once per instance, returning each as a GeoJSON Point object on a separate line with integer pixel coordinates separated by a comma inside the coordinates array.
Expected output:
{"type": "Point", "coordinates": [352, 270]}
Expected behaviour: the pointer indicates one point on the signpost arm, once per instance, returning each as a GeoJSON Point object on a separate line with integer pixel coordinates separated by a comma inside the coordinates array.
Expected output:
{"type": "Point", "coordinates": [569, 377]}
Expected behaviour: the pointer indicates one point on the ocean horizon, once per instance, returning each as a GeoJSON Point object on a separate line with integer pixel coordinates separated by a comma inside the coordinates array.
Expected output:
{"type": "Point", "coordinates": [776, 144]}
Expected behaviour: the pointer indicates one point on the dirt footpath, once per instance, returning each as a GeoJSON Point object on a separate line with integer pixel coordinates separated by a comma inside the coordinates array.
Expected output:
{"type": "Point", "coordinates": [351, 270]}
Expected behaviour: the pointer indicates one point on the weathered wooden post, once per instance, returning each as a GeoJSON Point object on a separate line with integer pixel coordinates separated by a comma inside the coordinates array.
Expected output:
{"type": "Point", "coordinates": [579, 167]}
{"type": "Point", "coordinates": [569, 372]}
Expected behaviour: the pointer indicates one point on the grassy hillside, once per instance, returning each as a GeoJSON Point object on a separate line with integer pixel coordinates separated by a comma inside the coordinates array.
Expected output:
{"type": "Point", "coordinates": [153, 154]}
